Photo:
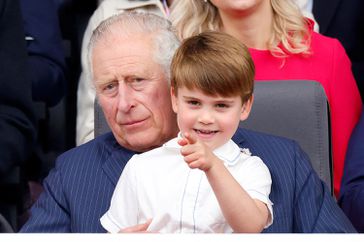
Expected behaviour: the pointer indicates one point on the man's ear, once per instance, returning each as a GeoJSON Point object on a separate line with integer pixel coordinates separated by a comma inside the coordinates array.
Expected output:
{"type": "Point", "coordinates": [247, 107]}
{"type": "Point", "coordinates": [174, 100]}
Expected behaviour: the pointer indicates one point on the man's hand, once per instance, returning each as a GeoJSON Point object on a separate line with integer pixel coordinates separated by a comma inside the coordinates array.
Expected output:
{"type": "Point", "coordinates": [196, 154]}
{"type": "Point", "coordinates": [139, 228]}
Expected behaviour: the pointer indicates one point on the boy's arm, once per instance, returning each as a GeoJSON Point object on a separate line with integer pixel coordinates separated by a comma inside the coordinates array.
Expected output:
{"type": "Point", "coordinates": [243, 213]}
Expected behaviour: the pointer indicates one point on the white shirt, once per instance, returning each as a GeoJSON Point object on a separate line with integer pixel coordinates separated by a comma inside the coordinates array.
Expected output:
{"type": "Point", "coordinates": [158, 184]}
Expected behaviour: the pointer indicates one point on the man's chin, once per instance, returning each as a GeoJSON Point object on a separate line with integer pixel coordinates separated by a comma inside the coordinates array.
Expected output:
{"type": "Point", "coordinates": [139, 143]}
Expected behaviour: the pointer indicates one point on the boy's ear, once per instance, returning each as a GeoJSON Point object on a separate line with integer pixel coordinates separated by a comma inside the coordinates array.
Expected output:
{"type": "Point", "coordinates": [174, 100]}
{"type": "Point", "coordinates": [247, 107]}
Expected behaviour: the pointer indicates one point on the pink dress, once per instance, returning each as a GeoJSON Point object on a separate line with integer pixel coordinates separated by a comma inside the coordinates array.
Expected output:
{"type": "Point", "coordinates": [330, 66]}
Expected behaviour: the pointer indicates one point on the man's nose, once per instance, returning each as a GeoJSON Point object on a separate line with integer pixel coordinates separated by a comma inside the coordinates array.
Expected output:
{"type": "Point", "coordinates": [125, 97]}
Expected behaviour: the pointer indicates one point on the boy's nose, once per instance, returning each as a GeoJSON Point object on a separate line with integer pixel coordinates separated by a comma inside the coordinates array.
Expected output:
{"type": "Point", "coordinates": [206, 117]}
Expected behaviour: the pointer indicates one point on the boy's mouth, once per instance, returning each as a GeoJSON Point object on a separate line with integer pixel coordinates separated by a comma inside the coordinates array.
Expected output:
{"type": "Point", "coordinates": [205, 132]}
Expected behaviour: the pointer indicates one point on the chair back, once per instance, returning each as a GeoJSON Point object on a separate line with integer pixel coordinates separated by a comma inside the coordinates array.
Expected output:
{"type": "Point", "coordinates": [296, 110]}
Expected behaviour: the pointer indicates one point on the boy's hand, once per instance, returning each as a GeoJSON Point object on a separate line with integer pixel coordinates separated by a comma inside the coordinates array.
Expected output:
{"type": "Point", "coordinates": [196, 154]}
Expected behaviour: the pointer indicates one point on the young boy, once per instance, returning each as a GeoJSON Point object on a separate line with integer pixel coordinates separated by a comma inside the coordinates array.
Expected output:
{"type": "Point", "coordinates": [200, 181]}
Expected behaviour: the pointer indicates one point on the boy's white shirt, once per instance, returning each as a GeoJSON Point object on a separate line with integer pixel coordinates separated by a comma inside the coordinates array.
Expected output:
{"type": "Point", "coordinates": [158, 184]}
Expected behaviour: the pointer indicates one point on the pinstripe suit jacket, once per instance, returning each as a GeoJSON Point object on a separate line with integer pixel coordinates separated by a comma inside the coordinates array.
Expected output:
{"type": "Point", "coordinates": [79, 189]}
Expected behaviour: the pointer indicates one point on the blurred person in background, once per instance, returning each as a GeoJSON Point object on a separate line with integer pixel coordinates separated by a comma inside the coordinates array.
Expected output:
{"type": "Point", "coordinates": [17, 117]}
{"type": "Point", "coordinates": [351, 198]}
{"type": "Point", "coordinates": [344, 20]}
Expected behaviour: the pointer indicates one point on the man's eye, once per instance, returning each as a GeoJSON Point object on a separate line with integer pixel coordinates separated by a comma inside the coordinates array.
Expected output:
{"type": "Point", "coordinates": [137, 83]}
{"type": "Point", "coordinates": [138, 80]}
{"type": "Point", "coordinates": [109, 88]}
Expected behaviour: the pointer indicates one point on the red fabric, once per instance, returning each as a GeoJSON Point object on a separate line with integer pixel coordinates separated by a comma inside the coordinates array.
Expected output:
{"type": "Point", "coordinates": [330, 66]}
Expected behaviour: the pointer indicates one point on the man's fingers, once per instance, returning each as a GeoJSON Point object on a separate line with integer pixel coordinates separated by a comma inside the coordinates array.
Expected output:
{"type": "Point", "coordinates": [137, 228]}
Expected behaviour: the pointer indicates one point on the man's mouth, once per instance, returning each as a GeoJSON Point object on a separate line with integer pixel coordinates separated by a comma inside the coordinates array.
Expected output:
{"type": "Point", "coordinates": [133, 123]}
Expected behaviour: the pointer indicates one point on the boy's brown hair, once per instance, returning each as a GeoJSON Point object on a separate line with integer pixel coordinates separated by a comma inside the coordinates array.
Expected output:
{"type": "Point", "coordinates": [215, 63]}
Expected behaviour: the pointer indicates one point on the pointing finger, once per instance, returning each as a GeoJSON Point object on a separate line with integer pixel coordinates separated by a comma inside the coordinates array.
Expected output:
{"type": "Point", "coordinates": [190, 138]}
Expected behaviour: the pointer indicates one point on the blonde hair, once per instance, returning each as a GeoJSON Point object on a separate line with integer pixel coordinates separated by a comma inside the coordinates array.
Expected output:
{"type": "Point", "coordinates": [216, 64]}
{"type": "Point", "coordinates": [291, 34]}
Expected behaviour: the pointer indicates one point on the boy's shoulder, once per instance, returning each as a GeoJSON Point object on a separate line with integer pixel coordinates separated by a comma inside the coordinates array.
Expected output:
{"type": "Point", "coordinates": [171, 147]}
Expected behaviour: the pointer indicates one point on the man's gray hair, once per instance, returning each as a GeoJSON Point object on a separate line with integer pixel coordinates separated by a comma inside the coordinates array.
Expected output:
{"type": "Point", "coordinates": [129, 23]}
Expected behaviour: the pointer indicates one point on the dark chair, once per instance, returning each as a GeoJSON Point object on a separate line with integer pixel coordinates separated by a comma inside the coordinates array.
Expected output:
{"type": "Point", "coordinates": [296, 110]}
{"type": "Point", "coordinates": [11, 199]}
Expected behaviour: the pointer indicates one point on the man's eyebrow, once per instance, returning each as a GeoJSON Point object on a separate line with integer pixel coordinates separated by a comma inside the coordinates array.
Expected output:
{"type": "Point", "coordinates": [131, 77]}
{"type": "Point", "coordinates": [103, 81]}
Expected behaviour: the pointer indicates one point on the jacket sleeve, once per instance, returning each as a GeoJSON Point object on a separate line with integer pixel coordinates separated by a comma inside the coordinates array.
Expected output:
{"type": "Point", "coordinates": [352, 187]}
{"type": "Point", "coordinates": [50, 213]}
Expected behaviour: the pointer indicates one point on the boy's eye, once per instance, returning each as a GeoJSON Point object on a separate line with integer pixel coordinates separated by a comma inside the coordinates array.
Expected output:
{"type": "Point", "coordinates": [222, 105]}
{"type": "Point", "coordinates": [193, 102]}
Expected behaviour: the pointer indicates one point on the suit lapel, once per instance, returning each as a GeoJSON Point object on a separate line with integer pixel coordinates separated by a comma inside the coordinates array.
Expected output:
{"type": "Point", "coordinates": [238, 138]}
{"type": "Point", "coordinates": [324, 12]}
{"type": "Point", "coordinates": [115, 164]}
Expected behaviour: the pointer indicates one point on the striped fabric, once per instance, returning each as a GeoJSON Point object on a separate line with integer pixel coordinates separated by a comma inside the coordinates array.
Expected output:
{"type": "Point", "coordinates": [79, 189]}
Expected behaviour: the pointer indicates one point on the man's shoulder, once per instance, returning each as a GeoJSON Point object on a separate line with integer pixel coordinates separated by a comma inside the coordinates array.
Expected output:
{"type": "Point", "coordinates": [243, 135]}
{"type": "Point", "coordinates": [269, 148]}
{"type": "Point", "coordinates": [103, 141]}
{"type": "Point", "coordinates": [169, 150]}
{"type": "Point", "coordinates": [95, 150]}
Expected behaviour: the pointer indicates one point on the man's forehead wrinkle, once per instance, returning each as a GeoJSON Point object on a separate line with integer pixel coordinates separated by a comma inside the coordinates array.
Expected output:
{"type": "Point", "coordinates": [122, 68]}
{"type": "Point", "coordinates": [125, 37]}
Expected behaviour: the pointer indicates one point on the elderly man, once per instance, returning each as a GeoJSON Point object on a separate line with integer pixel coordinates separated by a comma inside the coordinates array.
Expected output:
{"type": "Point", "coordinates": [86, 93]}
{"type": "Point", "coordinates": [130, 55]}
